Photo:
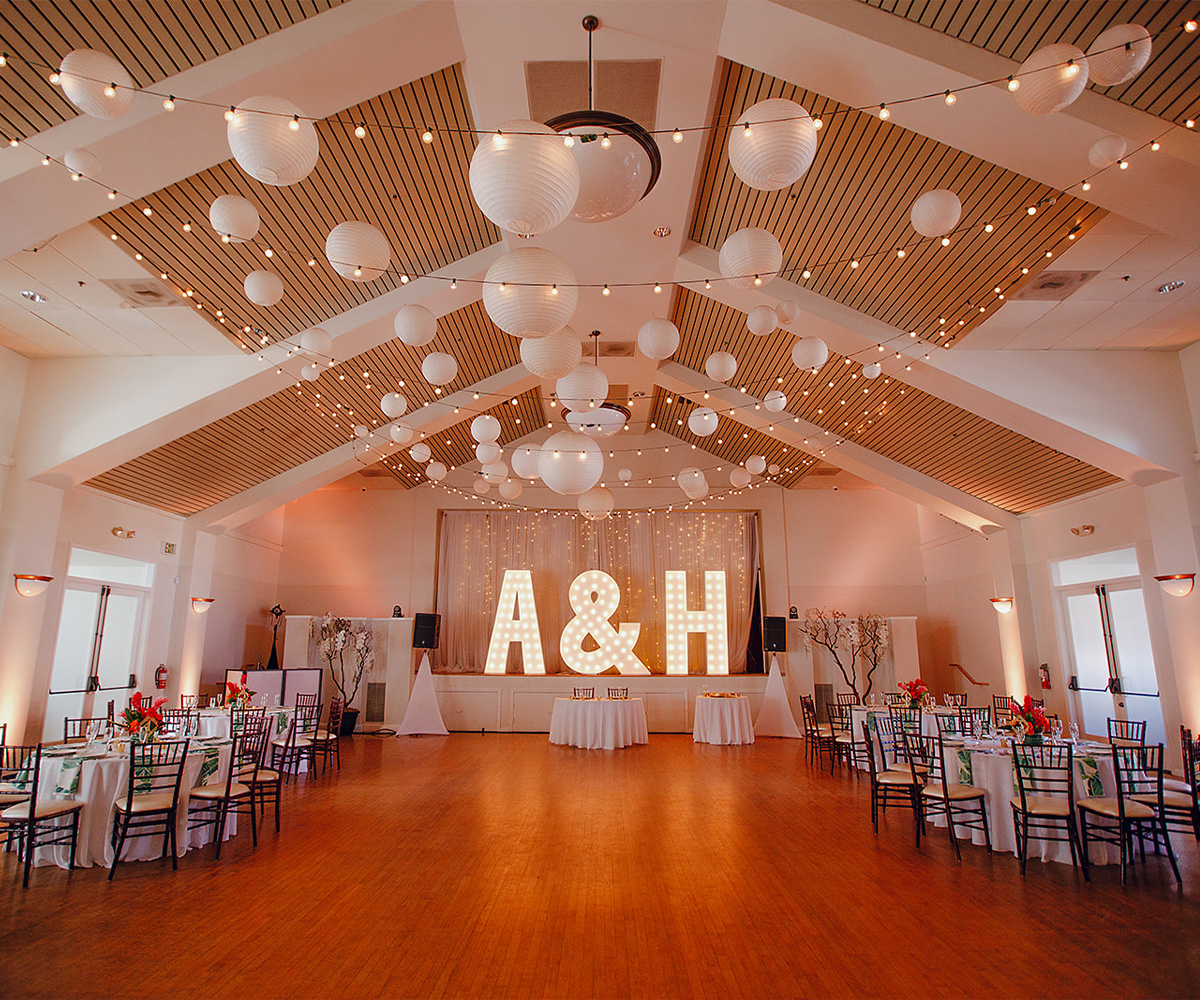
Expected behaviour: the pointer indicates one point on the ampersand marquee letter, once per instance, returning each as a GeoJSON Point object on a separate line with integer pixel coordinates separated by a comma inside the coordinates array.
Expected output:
{"type": "Point", "coordinates": [515, 624]}
{"type": "Point", "coordinates": [594, 596]}
{"type": "Point", "coordinates": [711, 621]}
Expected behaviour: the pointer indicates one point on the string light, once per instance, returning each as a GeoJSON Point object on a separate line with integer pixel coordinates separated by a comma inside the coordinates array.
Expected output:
{"type": "Point", "coordinates": [169, 104]}
{"type": "Point", "coordinates": [951, 100]}
{"type": "Point", "coordinates": [884, 113]}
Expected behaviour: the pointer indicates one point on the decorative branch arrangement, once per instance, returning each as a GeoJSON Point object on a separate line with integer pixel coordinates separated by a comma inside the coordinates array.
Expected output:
{"type": "Point", "coordinates": [833, 630]}
{"type": "Point", "coordinates": [870, 642]}
{"type": "Point", "coordinates": [334, 637]}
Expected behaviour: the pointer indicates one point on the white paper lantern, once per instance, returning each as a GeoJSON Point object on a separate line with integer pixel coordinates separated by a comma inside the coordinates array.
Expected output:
{"type": "Point", "coordinates": [552, 356]}
{"type": "Point", "coordinates": [598, 422]}
{"type": "Point", "coordinates": [1050, 79]}
{"type": "Point", "coordinates": [485, 427]}
{"type": "Point", "coordinates": [761, 321]}
{"type": "Point", "coordinates": [773, 469]}
{"type": "Point", "coordinates": [597, 503]}
{"type": "Point", "coordinates": [263, 288]}
{"type": "Point", "coordinates": [624, 475]}
{"type": "Point", "coordinates": [265, 144]}
{"type": "Point", "coordinates": [525, 461]}
{"type": "Point", "coordinates": [401, 433]}
{"type": "Point", "coordinates": [436, 471]}
{"type": "Point", "coordinates": [774, 400]}
{"type": "Point", "coordinates": [357, 251]}
{"type": "Point", "coordinates": [570, 463]}
{"type": "Point", "coordinates": [702, 421]}
{"type": "Point", "coordinates": [871, 369]}
{"type": "Point", "coordinates": [612, 178]}
{"type": "Point", "coordinates": [690, 479]}
{"type": "Point", "coordinates": [415, 325]}
{"type": "Point", "coordinates": [317, 343]}
{"type": "Point", "coordinates": [747, 254]}
{"type": "Point", "coordinates": [584, 388]}
{"type": "Point", "coordinates": [510, 489]}
{"type": "Point", "coordinates": [809, 352]}
{"type": "Point", "coordinates": [439, 369]}
{"type": "Point", "coordinates": [525, 183]}
{"type": "Point", "coordinates": [82, 161]}
{"type": "Point", "coordinates": [310, 373]}
{"type": "Point", "coordinates": [777, 148]}
{"type": "Point", "coordinates": [530, 292]}
{"type": "Point", "coordinates": [935, 213]}
{"type": "Point", "coordinates": [1106, 151]}
{"type": "Point", "coordinates": [658, 339]}
{"type": "Point", "coordinates": [481, 486]}
{"type": "Point", "coordinates": [700, 492]}
{"type": "Point", "coordinates": [756, 465]}
{"type": "Point", "coordinates": [787, 312]}
{"type": "Point", "coordinates": [393, 405]}
{"type": "Point", "coordinates": [495, 472]}
{"type": "Point", "coordinates": [720, 366]}
{"type": "Point", "coordinates": [488, 452]}
{"type": "Point", "coordinates": [234, 216]}
{"type": "Point", "coordinates": [739, 478]}
{"type": "Point", "coordinates": [85, 74]}
{"type": "Point", "coordinates": [361, 430]}
{"type": "Point", "coordinates": [1118, 54]}
{"type": "Point", "coordinates": [420, 452]}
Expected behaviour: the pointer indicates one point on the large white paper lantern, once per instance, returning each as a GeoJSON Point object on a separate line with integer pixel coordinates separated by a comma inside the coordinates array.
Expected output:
{"type": "Point", "coordinates": [570, 463]}
{"type": "Point", "coordinates": [749, 254]}
{"type": "Point", "coordinates": [495, 472]}
{"type": "Point", "coordinates": [357, 251]}
{"type": "Point", "coordinates": [415, 325]}
{"type": "Point", "coordinates": [83, 162]}
{"type": "Point", "coordinates": [420, 452]}
{"type": "Point", "coordinates": [530, 292]}
{"type": "Point", "coordinates": [702, 421]}
{"type": "Point", "coordinates": [401, 433]}
{"type": "Point", "coordinates": [761, 321]}
{"type": "Point", "coordinates": [394, 405]}
{"type": "Point", "coordinates": [597, 503]}
{"type": "Point", "coordinates": [525, 183]}
{"type": "Point", "coordinates": [436, 471]}
{"type": "Point", "coordinates": [1051, 78]}
{"type": "Point", "coordinates": [85, 74]}
{"type": "Point", "coordinates": [787, 312]}
{"type": "Point", "coordinates": [362, 431]}
{"type": "Point", "coordinates": [720, 366]}
{"type": "Point", "coordinates": [690, 479]}
{"type": "Point", "coordinates": [234, 216]}
{"type": "Point", "coordinates": [263, 288]}
{"type": "Point", "coordinates": [1118, 54]}
{"type": "Point", "coordinates": [265, 144]}
{"type": "Point", "coordinates": [510, 489]}
{"type": "Point", "coordinates": [584, 388]}
{"type": "Point", "coordinates": [624, 475]}
{"type": "Point", "coordinates": [1106, 151]}
{"type": "Point", "coordinates": [485, 427]}
{"type": "Point", "coordinates": [756, 465]}
{"type": "Point", "coordinates": [598, 422]}
{"type": "Point", "coordinates": [481, 486]}
{"type": "Point", "coordinates": [525, 461]}
{"type": "Point", "coordinates": [809, 352]}
{"type": "Point", "coordinates": [777, 148]}
{"type": "Point", "coordinates": [310, 373]}
{"type": "Point", "coordinates": [552, 356]}
{"type": "Point", "coordinates": [317, 343]}
{"type": "Point", "coordinates": [935, 213]}
{"type": "Point", "coordinates": [700, 492]}
{"type": "Point", "coordinates": [871, 369]}
{"type": "Point", "coordinates": [775, 401]}
{"type": "Point", "coordinates": [739, 478]}
{"type": "Point", "coordinates": [658, 339]}
{"type": "Point", "coordinates": [773, 469]}
{"type": "Point", "coordinates": [488, 452]}
{"type": "Point", "coordinates": [439, 369]}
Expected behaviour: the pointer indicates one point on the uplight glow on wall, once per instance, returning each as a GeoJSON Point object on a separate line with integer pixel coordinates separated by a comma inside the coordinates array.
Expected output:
{"type": "Point", "coordinates": [516, 621]}
{"type": "Point", "coordinates": [711, 621]}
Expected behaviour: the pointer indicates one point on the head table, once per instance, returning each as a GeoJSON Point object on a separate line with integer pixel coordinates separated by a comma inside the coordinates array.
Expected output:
{"type": "Point", "coordinates": [598, 723]}
{"type": "Point", "coordinates": [723, 719]}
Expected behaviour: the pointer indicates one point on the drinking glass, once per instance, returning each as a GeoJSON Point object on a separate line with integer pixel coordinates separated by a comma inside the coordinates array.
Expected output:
{"type": "Point", "coordinates": [704, 689]}
{"type": "Point", "coordinates": [1057, 725]}
{"type": "Point", "coordinates": [93, 730]}
{"type": "Point", "coordinates": [277, 701]}
{"type": "Point", "coordinates": [1074, 732]}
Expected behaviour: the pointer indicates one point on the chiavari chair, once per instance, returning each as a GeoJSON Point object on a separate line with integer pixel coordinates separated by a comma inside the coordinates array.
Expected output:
{"type": "Point", "coordinates": [1181, 796]}
{"type": "Point", "coordinates": [306, 700]}
{"type": "Point", "coordinates": [895, 698]}
{"type": "Point", "coordinates": [210, 805]}
{"type": "Point", "coordinates": [181, 721]}
{"type": "Point", "coordinates": [151, 801]}
{"type": "Point", "coordinates": [906, 720]}
{"type": "Point", "coordinates": [289, 750]}
{"type": "Point", "coordinates": [973, 721]}
{"type": "Point", "coordinates": [899, 785]}
{"type": "Point", "coordinates": [583, 693]}
{"type": "Point", "coordinates": [189, 701]}
{"type": "Point", "coordinates": [40, 817]}
{"type": "Point", "coordinates": [76, 729]}
{"type": "Point", "coordinates": [818, 737]}
{"type": "Point", "coordinates": [619, 693]}
{"type": "Point", "coordinates": [1044, 806]}
{"type": "Point", "coordinates": [848, 698]}
{"type": "Point", "coordinates": [841, 730]}
{"type": "Point", "coordinates": [15, 764]}
{"type": "Point", "coordinates": [962, 805]}
{"type": "Point", "coordinates": [1126, 733]}
{"type": "Point", "coordinates": [326, 741]}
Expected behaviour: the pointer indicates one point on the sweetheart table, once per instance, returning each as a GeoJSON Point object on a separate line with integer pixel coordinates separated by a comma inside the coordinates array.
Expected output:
{"type": "Point", "coordinates": [723, 719]}
{"type": "Point", "coordinates": [598, 723]}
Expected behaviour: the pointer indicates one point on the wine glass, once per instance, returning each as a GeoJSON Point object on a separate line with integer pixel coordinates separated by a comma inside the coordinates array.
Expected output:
{"type": "Point", "coordinates": [704, 690]}
{"type": "Point", "coordinates": [93, 731]}
{"type": "Point", "coordinates": [1074, 732]}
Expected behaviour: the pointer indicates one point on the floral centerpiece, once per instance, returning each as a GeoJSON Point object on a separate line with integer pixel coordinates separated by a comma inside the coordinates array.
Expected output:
{"type": "Point", "coordinates": [1029, 721]}
{"type": "Point", "coordinates": [237, 694]}
{"type": "Point", "coordinates": [141, 718]}
{"type": "Point", "coordinates": [918, 693]}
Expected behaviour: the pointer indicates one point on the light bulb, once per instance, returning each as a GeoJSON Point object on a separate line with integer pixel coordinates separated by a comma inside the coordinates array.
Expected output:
{"type": "Point", "coordinates": [677, 137]}
{"type": "Point", "coordinates": [169, 104]}
{"type": "Point", "coordinates": [358, 272]}
{"type": "Point", "coordinates": [1123, 165]}
{"type": "Point", "coordinates": [945, 241]}
{"type": "Point", "coordinates": [854, 263]}
{"type": "Point", "coordinates": [1086, 185]}
{"type": "Point", "coordinates": [900, 254]}
{"type": "Point", "coordinates": [110, 90]}
{"type": "Point", "coordinates": [187, 227]}
{"type": "Point", "coordinates": [360, 132]}
{"type": "Point", "coordinates": [1013, 83]}
{"type": "Point", "coordinates": [818, 124]}
{"type": "Point", "coordinates": [988, 228]}
{"type": "Point", "coordinates": [1072, 69]}
{"type": "Point", "coordinates": [884, 114]}
{"type": "Point", "coordinates": [112, 195]}
{"type": "Point", "coordinates": [427, 137]}
{"type": "Point", "coordinates": [605, 291]}
{"type": "Point", "coordinates": [950, 98]}
{"type": "Point", "coordinates": [806, 273]}
{"type": "Point", "coordinates": [147, 211]}
{"type": "Point", "coordinates": [657, 288]}
{"type": "Point", "coordinates": [569, 141]}
{"type": "Point", "coordinates": [294, 124]}
{"type": "Point", "coordinates": [1032, 210]}
{"type": "Point", "coordinates": [54, 78]}
{"type": "Point", "coordinates": [1156, 145]}
{"type": "Point", "coordinates": [229, 114]}
{"type": "Point", "coordinates": [606, 142]}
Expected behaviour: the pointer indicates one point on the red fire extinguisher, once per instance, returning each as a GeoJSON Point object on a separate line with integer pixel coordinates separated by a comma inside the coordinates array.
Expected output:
{"type": "Point", "coordinates": [1044, 675]}
{"type": "Point", "coordinates": [160, 676]}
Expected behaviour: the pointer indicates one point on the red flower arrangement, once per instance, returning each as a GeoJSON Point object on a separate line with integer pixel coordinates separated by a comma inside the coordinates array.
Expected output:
{"type": "Point", "coordinates": [142, 718]}
{"type": "Point", "coordinates": [237, 694]}
{"type": "Point", "coordinates": [916, 690]}
{"type": "Point", "coordinates": [1028, 718]}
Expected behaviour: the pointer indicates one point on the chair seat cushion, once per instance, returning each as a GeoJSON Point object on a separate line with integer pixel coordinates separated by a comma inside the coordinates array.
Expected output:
{"type": "Point", "coordinates": [1176, 785]}
{"type": "Point", "coordinates": [45, 809]}
{"type": "Point", "coordinates": [297, 743]}
{"type": "Point", "coordinates": [1172, 800]}
{"type": "Point", "coordinates": [844, 738]}
{"type": "Point", "coordinates": [1107, 806]}
{"type": "Point", "coordinates": [8, 788]}
{"type": "Point", "coordinates": [895, 778]}
{"type": "Point", "coordinates": [8, 798]}
{"type": "Point", "coordinates": [956, 792]}
{"type": "Point", "coordinates": [266, 776]}
{"type": "Point", "coordinates": [824, 728]}
{"type": "Point", "coordinates": [324, 735]}
{"type": "Point", "coordinates": [217, 792]}
{"type": "Point", "coordinates": [1043, 805]}
{"type": "Point", "coordinates": [150, 802]}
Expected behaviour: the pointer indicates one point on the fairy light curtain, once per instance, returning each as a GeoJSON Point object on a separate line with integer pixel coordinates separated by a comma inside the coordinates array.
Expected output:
{"type": "Point", "coordinates": [635, 548]}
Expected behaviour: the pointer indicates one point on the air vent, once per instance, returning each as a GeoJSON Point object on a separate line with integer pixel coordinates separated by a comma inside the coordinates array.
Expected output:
{"type": "Point", "coordinates": [824, 470]}
{"type": "Point", "coordinates": [616, 349]}
{"type": "Point", "coordinates": [144, 293]}
{"type": "Point", "coordinates": [1052, 286]}
{"type": "Point", "coordinates": [374, 472]}
{"type": "Point", "coordinates": [626, 87]}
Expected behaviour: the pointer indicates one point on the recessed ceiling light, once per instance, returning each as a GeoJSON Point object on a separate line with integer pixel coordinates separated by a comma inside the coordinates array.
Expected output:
{"type": "Point", "coordinates": [1170, 286]}
{"type": "Point", "coordinates": [34, 297]}
{"type": "Point", "coordinates": [662, 232]}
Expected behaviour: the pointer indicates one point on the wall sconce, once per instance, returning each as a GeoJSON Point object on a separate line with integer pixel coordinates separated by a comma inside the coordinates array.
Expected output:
{"type": "Point", "coordinates": [1177, 584]}
{"type": "Point", "coordinates": [1002, 604]}
{"type": "Point", "coordinates": [120, 532]}
{"type": "Point", "coordinates": [201, 604]}
{"type": "Point", "coordinates": [1084, 529]}
{"type": "Point", "coordinates": [30, 585]}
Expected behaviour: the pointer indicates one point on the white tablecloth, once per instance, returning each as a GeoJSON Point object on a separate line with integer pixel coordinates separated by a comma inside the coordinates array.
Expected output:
{"type": "Point", "coordinates": [723, 720]}
{"type": "Point", "coordinates": [598, 723]}
{"type": "Point", "coordinates": [215, 722]}
{"type": "Point", "coordinates": [867, 713]}
{"type": "Point", "coordinates": [103, 781]}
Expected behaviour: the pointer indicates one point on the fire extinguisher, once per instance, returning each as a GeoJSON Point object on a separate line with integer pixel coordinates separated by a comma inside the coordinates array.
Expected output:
{"type": "Point", "coordinates": [1044, 676]}
{"type": "Point", "coordinates": [160, 676]}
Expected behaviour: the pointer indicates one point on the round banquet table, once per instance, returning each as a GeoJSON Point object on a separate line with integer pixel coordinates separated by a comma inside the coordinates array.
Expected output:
{"type": "Point", "coordinates": [103, 780]}
{"type": "Point", "coordinates": [723, 720]}
{"type": "Point", "coordinates": [598, 723]}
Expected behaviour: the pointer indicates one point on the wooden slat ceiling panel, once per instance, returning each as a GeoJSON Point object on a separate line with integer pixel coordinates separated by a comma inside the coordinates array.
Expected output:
{"type": "Point", "coordinates": [302, 421]}
{"type": "Point", "coordinates": [885, 415]}
{"type": "Point", "coordinates": [1168, 87]}
{"type": "Point", "coordinates": [854, 203]}
{"type": "Point", "coordinates": [415, 193]}
{"type": "Point", "coordinates": [733, 442]}
{"type": "Point", "coordinates": [152, 39]}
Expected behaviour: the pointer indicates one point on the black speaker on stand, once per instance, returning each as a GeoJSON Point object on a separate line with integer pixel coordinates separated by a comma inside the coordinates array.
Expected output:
{"type": "Point", "coordinates": [427, 631]}
{"type": "Point", "coordinates": [775, 634]}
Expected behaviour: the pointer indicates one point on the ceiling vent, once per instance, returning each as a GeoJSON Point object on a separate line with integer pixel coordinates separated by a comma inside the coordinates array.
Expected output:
{"type": "Point", "coordinates": [824, 470]}
{"type": "Point", "coordinates": [144, 293]}
{"type": "Point", "coordinates": [1052, 286]}
{"type": "Point", "coordinates": [626, 87]}
{"type": "Point", "coordinates": [616, 349]}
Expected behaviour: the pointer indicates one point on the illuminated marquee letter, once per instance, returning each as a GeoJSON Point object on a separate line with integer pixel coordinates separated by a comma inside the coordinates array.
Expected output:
{"type": "Point", "coordinates": [711, 621]}
{"type": "Point", "coordinates": [594, 596]}
{"type": "Point", "coordinates": [515, 624]}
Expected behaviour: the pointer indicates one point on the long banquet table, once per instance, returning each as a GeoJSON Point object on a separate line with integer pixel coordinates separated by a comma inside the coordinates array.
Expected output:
{"type": "Point", "coordinates": [215, 722]}
{"type": "Point", "coordinates": [723, 719]}
{"type": "Point", "coordinates": [598, 723]}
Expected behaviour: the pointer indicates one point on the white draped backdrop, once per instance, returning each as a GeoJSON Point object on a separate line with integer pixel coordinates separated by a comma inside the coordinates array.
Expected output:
{"type": "Point", "coordinates": [635, 548]}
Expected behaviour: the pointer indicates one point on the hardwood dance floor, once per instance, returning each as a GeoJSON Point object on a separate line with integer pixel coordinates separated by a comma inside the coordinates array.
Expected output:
{"type": "Point", "coordinates": [501, 866]}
